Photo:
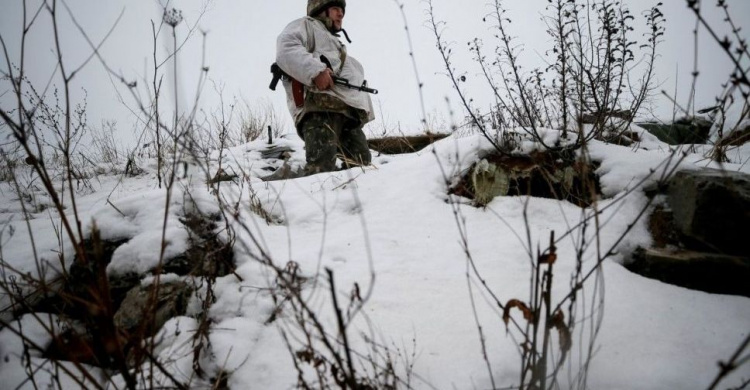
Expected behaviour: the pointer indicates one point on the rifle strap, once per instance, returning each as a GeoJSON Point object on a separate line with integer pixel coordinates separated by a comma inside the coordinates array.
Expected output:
{"type": "Point", "coordinates": [342, 57]}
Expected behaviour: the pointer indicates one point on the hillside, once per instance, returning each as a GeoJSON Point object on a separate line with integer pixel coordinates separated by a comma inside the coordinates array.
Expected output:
{"type": "Point", "coordinates": [418, 276]}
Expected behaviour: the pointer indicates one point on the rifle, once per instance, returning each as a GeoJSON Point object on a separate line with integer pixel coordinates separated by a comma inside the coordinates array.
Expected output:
{"type": "Point", "coordinates": [345, 82]}
{"type": "Point", "coordinates": [298, 90]}
{"type": "Point", "coordinates": [278, 73]}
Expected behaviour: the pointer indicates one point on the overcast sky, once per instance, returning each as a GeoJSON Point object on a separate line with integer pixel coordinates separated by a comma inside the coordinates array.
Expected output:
{"type": "Point", "coordinates": [240, 46]}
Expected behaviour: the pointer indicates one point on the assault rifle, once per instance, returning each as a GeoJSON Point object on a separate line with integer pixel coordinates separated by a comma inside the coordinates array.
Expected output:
{"type": "Point", "coordinates": [278, 73]}
{"type": "Point", "coordinates": [345, 82]}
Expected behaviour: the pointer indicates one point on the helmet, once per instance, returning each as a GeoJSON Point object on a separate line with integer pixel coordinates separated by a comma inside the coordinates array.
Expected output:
{"type": "Point", "coordinates": [315, 6]}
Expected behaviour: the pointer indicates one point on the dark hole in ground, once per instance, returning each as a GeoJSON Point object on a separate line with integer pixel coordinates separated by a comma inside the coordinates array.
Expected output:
{"type": "Point", "coordinates": [552, 174]}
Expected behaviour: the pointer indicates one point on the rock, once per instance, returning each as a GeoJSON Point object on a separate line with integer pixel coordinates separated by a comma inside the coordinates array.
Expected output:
{"type": "Point", "coordinates": [120, 285]}
{"type": "Point", "coordinates": [709, 272]}
{"type": "Point", "coordinates": [689, 130]}
{"type": "Point", "coordinates": [698, 232]}
{"type": "Point", "coordinates": [600, 117]}
{"type": "Point", "coordinates": [280, 152]}
{"type": "Point", "coordinates": [170, 300]}
{"type": "Point", "coordinates": [222, 175]}
{"type": "Point", "coordinates": [623, 138]}
{"type": "Point", "coordinates": [661, 226]}
{"type": "Point", "coordinates": [711, 209]}
{"type": "Point", "coordinates": [285, 172]}
{"type": "Point", "coordinates": [207, 255]}
{"type": "Point", "coordinates": [87, 281]}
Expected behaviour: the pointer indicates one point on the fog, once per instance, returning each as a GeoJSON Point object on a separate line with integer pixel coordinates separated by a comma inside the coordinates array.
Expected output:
{"type": "Point", "coordinates": [235, 40]}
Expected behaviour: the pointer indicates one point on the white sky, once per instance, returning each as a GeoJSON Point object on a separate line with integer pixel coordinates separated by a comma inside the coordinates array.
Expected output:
{"type": "Point", "coordinates": [241, 46]}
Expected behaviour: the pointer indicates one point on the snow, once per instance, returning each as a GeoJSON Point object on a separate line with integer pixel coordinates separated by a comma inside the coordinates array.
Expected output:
{"type": "Point", "coordinates": [15, 369]}
{"type": "Point", "coordinates": [392, 229]}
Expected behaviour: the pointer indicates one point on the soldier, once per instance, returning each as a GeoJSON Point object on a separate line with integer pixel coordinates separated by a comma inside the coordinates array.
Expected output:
{"type": "Point", "coordinates": [327, 116]}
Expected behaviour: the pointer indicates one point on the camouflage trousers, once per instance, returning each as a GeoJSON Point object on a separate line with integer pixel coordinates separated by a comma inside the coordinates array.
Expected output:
{"type": "Point", "coordinates": [329, 135]}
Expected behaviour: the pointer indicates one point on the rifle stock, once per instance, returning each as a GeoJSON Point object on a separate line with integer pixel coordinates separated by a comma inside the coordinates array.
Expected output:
{"type": "Point", "coordinates": [298, 90]}
{"type": "Point", "coordinates": [277, 73]}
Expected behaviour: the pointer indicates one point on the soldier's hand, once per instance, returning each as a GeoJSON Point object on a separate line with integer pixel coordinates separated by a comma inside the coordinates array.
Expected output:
{"type": "Point", "coordinates": [324, 80]}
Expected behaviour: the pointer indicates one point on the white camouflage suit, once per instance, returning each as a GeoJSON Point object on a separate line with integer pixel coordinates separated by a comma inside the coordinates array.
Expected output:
{"type": "Point", "coordinates": [298, 51]}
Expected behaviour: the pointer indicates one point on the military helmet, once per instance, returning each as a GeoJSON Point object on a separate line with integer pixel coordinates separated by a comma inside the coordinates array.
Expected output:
{"type": "Point", "coordinates": [315, 6]}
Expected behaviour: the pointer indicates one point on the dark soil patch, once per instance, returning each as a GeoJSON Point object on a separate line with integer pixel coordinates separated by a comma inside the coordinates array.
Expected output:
{"type": "Point", "coordinates": [553, 175]}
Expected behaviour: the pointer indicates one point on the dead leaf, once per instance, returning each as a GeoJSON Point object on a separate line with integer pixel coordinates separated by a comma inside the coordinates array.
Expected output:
{"type": "Point", "coordinates": [558, 321]}
{"type": "Point", "coordinates": [548, 258]}
{"type": "Point", "coordinates": [527, 314]}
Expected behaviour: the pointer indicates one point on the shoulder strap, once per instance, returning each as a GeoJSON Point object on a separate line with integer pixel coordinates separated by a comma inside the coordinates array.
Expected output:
{"type": "Point", "coordinates": [311, 43]}
{"type": "Point", "coordinates": [342, 57]}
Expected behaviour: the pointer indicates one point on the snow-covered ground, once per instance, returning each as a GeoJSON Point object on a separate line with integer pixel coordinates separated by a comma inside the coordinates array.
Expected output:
{"type": "Point", "coordinates": [393, 228]}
